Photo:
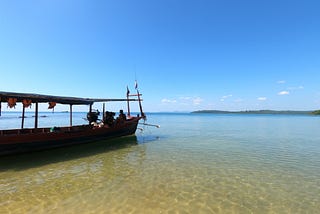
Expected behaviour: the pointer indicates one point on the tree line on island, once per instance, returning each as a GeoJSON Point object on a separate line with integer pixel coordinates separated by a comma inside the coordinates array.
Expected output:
{"type": "Point", "coordinates": [316, 112]}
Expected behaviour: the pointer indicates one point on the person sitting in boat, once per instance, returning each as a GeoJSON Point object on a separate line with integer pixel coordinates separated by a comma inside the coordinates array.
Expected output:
{"type": "Point", "coordinates": [122, 117]}
{"type": "Point", "coordinates": [109, 118]}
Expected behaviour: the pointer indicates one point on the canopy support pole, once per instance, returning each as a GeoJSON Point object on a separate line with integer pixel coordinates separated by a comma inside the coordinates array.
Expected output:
{"type": "Point", "coordinates": [22, 121]}
{"type": "Point", "coordinates": [103, 113]}
{"type": "Point", "coordinates": [90, 110]}
{"type": "Point", "coordinates": [70, 115]}
{"type": "Point", "coordinates": [36, 116]}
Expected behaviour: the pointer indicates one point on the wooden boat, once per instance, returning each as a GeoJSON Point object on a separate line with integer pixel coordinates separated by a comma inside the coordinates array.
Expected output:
{"type": "Point", "coordinates": [23, 140]}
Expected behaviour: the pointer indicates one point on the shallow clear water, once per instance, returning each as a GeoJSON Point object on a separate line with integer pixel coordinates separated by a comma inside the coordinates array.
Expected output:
{"type": "Point", "coordinates": [195, 163]}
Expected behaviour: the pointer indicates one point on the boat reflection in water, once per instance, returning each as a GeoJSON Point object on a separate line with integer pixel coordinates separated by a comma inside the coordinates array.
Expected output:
{"type": "Point", "coordinates": [39, 159]}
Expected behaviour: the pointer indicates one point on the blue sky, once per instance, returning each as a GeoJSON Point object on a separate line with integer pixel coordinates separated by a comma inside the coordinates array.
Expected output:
{"type": "Point", "coordinates": [186, 54]}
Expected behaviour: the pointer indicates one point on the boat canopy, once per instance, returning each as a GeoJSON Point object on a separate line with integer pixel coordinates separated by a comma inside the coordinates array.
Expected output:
{"type": "Point", "coordinates": [39, 98]}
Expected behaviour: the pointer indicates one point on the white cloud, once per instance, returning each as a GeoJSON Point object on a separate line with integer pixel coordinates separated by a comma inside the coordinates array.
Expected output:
{"type": "Point", "coordinates": [239, 100]}
{"type": "Point", "coordinates": [296, 88]}
{"type": "Point", "coordinates": [165, 100]}
{"type": "Point", "coordinates": [185, 98]}
{"type": "Point", "coordinates": [197, 101]}
{"type": "Point", "coordinates": [185, 101]}
{"type": "Point", "coordinates": [283, 93]}
{"type": "Point", "coordinates": [190, 100]}
{"type": "Point", "coordinates": [281, 82]}
{"type": "Point", "coordinates": [223, 98]}
{"type": "Point", "coordinates": [227, 96]}
{"type": "Point", "coordinates": [262, 98]}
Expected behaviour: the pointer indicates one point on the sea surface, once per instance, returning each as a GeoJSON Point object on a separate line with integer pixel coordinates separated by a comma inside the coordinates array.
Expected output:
{"type": "Point", "coordinates": [193, 163]}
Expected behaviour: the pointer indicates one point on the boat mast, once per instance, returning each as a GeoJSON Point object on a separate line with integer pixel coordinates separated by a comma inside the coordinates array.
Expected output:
{"type": "Point", "coordinates": [140, 105]}
{"type": "Point", "coordinates": [128, 94]}
{"type": "Point", "coordinates": [139, 99]}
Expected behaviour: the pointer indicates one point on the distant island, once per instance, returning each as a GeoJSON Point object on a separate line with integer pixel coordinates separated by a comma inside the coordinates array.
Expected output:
{"type": "Point", "coordinates": [317, 112]}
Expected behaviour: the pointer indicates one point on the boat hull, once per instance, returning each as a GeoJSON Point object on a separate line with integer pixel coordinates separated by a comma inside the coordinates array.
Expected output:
{"type": "Point", "coordinates": [27, 140]}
